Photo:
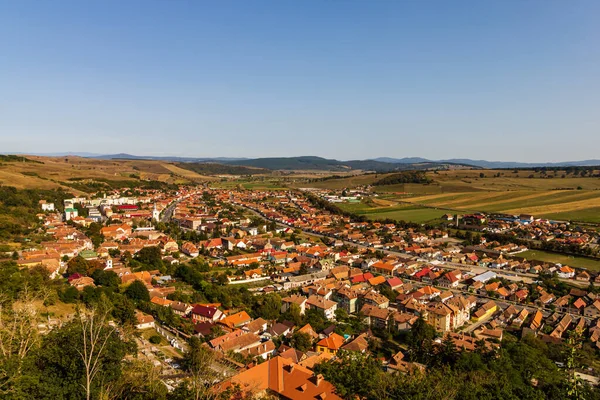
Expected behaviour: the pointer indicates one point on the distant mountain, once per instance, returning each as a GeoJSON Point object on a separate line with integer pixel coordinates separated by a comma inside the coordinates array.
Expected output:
{"type": "Point", "coordinates": [405, 160]}
{"type": "Point", "coordinates": [510, 164]}
{"type": "Point", "coordinates": [62, 154]}
{"type": "Point", "coordinates": [125, 156]}
{"type": "Point", "coordinates": [314, 163]}
{"type": "Point", "coordinates": [490, 164]}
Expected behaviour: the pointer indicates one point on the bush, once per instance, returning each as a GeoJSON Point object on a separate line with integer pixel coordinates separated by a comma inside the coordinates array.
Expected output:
{"type": "Point", "coordinates": [155, 339]}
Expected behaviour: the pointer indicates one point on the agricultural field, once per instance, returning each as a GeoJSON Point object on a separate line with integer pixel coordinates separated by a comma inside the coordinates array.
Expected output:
{"type": "Point", "coordinates": [572, 261]}
{"type": "Point", "coordinates": [580, 205]}
{"type": "Point", "coordinates": [554, 195]}
{"type": "Point", "coordinates": [396, 211]}
{"type": "Point", "coordinates": [249, 184]}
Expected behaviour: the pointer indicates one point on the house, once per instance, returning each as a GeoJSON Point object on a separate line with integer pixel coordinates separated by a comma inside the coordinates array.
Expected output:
{"type": "Point", "coordinates": [189, 249]}
{"type": "Point", "coordinates": [256, 326]}
{"type": "Point", "coordinates": [566, 272]}
{"type": "Point", "coordinates": [330, 344]}
{"type": "Point", "coordinates": [235, 320]}
{"type": "Point", "coordinates": [485, 311]}
{"type": "Point", "coordinates": [293, 382]}
{"type": "Point", "coordinates": [359, 344]}
{"type": "Point", "coordinates": [375, 316]}
{"type": "Point", "coordinates": [263, 350]}
{"type": "Point", "coordinates": [116, 232]}
{"type": "Point", "coordinates": [202, 313]}
{"type": "Point", "coordinates": [326, 307]}
{"type": "Point", "coordinates": [593, 310]}
{"type": "Point", "coordinates": [384, 268]}
{"type": "Point", "coordinates": [239, 343]}
{"type": "Point", "coordinates": [394, 283]}
{"type": "Point", "coordinates": [287, 302]}
{"type": "Point", "coordinates": [450, 279]}
{"type": "Point", "coordinates": [181, 309]}
{"type": "Point", "coordinates": [144, 321]}
{"type": "Point", "coordinates": [80, 283]}
{"type": "Point", "coordinates": [278, 329]}
{"type": "Point", "coordinates": [376, 299]}
{"type": "Point", "coordinates": [403, 321]}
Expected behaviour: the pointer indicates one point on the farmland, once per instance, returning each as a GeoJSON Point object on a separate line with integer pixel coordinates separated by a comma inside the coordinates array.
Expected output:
{"type": "Point", "coordinates": [548, 194]}
{"type": "Point", "coordinates": [400, 212]}
{"type": "Point", "coordinates": [572, 261]}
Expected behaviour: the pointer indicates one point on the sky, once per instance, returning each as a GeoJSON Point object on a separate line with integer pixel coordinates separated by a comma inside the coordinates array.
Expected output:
{"type": "Point", "coordinates": [497, 80]}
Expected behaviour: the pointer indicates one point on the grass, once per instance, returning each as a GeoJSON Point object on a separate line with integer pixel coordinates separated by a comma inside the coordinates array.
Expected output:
{"type": "Point", "coordinates": [148, 333]}
{"type": "Point", "coordinates": [400, 212]}
{"type": "Point", "coordinates": [587, 214]}
{"type": "Point", "coordinates": [572, 261]}
{"type": "Point", "coordinates": [249, 184]}
{"type": "Point", "coordinates": [53, 172]}
{"type": "Point", "coordinates": [576, 205]}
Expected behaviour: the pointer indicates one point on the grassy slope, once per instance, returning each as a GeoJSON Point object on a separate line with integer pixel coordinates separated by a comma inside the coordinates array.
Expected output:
{"type": "Point", "coordinates": [56, 172]}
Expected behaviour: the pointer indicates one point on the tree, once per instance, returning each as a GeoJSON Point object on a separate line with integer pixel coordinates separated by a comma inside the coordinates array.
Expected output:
{"type": "Point", "coordinates": [86, 353]}
{"type": "Point", "coordinates": [78, 265]}
{"type": "Point", "coordinates": [447, 352]}
{"type": "Point", "coordinates": [293, 314]}
{"type": "Point", "coordinates": [301, 341]}
{"type": "Point", "coordinates": [420, 341]}
{"type": "Point", "coordinates": [150, 258]}
{"type": "Point", "coordinates": [271, 307]}
{"type": "Point", "coordinates": [19, 334]}
{"type": "Point", "coordinates": [197, 361]}
{"type": "Point", "coordinates": [137, 291]}
{"type": "Point", "coordinates": [106, 278]}
{"type": "Point", "coordinates": [95, 335]}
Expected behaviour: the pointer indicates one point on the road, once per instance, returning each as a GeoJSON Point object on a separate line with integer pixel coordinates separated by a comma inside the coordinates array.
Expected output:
{"type": "Point", "coordinates": [526, 277]}
{"type": "Point", "coordinates": [511, 275]}
{"type": "Point", "coordinates": [168, 212]}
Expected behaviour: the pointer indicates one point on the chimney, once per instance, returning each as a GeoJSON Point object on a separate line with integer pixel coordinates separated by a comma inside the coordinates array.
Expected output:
{"type": "Point", "coordinates": [318, 379]}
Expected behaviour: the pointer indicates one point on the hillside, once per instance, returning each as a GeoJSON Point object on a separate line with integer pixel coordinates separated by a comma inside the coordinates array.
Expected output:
{"type": "Point", "coordinates": [85, 175]}
{"type": "Point", "coordinates": [311, 163]}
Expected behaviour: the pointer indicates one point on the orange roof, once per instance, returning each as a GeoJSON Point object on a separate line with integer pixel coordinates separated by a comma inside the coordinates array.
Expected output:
{"type": "Point", "coordinates": [236, 319]}
{"type": "Point", "coordinates": [160, 301]}
{"type": "Point", "coordinates": [334, 341]}
{"type": "Point", "coordinates": [378, 280]}
{"type": "Point", "coordinates": [286, 378]}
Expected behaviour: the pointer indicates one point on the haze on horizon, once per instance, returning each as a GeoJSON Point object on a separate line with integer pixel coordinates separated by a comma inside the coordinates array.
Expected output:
{"type": "Point", "coordinates": [510, 80]}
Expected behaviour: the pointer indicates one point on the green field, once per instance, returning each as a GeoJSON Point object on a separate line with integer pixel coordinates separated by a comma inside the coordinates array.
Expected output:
{"type": "Point", "coordinates": [572, 261]}
{"type": "Point", "coordinates": [249, 184]}
{"type": "Point", "coordinates": [401, 212]}
{"type": "Point", "coordinates": [552, 194]}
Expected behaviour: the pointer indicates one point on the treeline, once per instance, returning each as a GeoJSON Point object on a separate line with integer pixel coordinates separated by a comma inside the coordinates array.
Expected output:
{"type": "Point", "coordinates": [215, 168]}
{"type": "Point", "coordinates": [403, 177]}
{"type": "Point", "coordinates": [15, 158]}
{"type": "Point", "coordinates": [99, 184]}
{"type": "Point", "coordinates": [521, 369]}
{"type": "Point", "coordinates": [554, 246]}
{"type": "Point", "coordinates": [332, 208]}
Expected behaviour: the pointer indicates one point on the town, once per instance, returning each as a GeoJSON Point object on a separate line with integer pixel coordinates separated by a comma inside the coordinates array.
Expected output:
{"type": "Point", "coordinates": [280, 282]}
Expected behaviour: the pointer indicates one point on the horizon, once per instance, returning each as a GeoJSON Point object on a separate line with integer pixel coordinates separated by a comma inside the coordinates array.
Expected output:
{"type": "Point", "coordinates": [505, 81]}
{"type": "Point", "coordinates": [217, 157]}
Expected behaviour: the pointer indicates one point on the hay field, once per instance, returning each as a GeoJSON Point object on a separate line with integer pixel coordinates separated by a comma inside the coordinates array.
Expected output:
{"type": "Point", "coordinates": [550, 203]}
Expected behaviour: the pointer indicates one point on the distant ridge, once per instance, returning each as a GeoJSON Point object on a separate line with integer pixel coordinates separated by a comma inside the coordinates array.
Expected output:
{"type": "Point", "coordinates": [494, 164]}
{"type": "Point", "coordinates": [380, 164]}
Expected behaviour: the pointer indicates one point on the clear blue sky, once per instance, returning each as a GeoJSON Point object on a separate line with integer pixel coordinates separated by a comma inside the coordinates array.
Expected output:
{"type": "Point", "coordinates": [502, 80]}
